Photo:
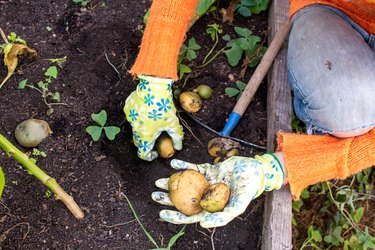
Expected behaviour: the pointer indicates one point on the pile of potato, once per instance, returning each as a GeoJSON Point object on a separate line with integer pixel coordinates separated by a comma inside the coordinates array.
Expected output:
{"type": "Point", "coordinates": [190, 193]}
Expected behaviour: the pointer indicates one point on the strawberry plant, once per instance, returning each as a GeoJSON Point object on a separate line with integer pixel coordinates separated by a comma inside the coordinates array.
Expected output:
{"type": "Point", "coordinates": [248, 7]}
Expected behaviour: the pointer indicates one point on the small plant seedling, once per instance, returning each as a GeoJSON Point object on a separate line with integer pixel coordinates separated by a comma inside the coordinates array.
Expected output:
{"type": "Point", "coordinates": [172, 240]}
{"type": "Point", "coordinates": [48, 193]}
{"type": "Point", "coordinates": [188, 52]}
{"type": "Point", "coordinates": [213, 30]}
{"type": "Point", "coordinates": [248, 7]}
{"type": "Point", "coordinates": [37, 153]}
{"type": "Point", "coordinates": [247, 44]}
{"type": "Point", "coordinates": [43, 88]}
{"type": "Point", "coordinates": [96, 130]}
{"type": "Point", "coordinates": [232, 92]}
{"type": "Point", "coordinates": [83, 3]}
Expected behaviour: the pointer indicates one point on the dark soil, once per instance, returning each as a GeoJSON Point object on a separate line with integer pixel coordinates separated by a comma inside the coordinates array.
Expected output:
{"type": "Point", "coordinates": [97, 173]}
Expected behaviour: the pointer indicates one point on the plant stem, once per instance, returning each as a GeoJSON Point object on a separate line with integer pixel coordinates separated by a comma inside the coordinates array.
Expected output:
{"type": "Point", "coordinates": [212, 49]}
{"type": "Point", "coordinates": [3, 36]}
{"type": "Point", "coordinates": [33, 169]}
{"type": "Point", "coordinates": [212, 58]}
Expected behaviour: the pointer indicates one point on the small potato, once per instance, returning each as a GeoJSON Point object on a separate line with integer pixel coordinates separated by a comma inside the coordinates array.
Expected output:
{"type": "Point", "coordinates": [164, 146]}
{"type": "Point", "coordinates": [215, 197]}
{"type": "Point", "coordinates": [219, 147]}
{"type": "Point", "coordinates": [186, 189]}
{"type": "Point", "coordinates": [31, 132]}
{"type": "Point", "coordinates": [190, 101]}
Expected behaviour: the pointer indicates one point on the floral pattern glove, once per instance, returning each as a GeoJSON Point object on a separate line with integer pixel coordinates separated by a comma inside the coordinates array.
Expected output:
{"type": "Point", "coordinates": [150, 110]}
{"type": "Point", "coordinates": [246, 177]}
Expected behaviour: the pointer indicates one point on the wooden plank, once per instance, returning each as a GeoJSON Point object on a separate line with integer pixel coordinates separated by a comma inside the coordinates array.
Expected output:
{"type": "Point", "coordinates": [277, 223]}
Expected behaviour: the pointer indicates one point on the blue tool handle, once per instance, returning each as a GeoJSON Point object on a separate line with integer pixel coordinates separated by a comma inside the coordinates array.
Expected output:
{"type": "Point", "coordinates": [231, 123]}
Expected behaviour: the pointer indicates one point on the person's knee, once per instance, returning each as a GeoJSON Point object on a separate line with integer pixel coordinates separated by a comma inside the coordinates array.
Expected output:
{"type": "Point", "coordinates": [356, 132]}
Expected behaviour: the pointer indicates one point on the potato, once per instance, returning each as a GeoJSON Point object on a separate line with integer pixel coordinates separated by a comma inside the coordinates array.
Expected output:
{"type": "Point", "coordinates": [164, 146]}
{"type": "Point", "coordinates": [186, 189]}
{"type": "Point", "coordinates": [215, 197]}
{"type": "Point", "coordinates": [190, 101]}
{"type": "Point", "coordinates": [204, 91]}
{"type": "Point", "coordinates": [31, 132]}
{"type": "Point", "coordinates": [219, 147]}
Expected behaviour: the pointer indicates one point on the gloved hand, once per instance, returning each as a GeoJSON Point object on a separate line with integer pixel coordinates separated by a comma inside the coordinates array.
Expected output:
{"type": "Point", "coordinates": [150, 110]}
{"type": "Point", "coordinates": [246, 177]}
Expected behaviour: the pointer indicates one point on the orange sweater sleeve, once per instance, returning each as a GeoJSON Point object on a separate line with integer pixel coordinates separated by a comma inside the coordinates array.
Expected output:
{"type": "Point", "coordinates": [310, 159]}
{"type": "Point", "coordinates": [361, 11]}
{"type": "Point", "coordinates": [163, 37]}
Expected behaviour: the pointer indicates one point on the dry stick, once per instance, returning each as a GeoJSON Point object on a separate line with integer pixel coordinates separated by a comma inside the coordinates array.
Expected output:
{"type": "Point", "coordinates": [212, 238]}
{"type": "Point", "coordinates": [33, 169]}
{"type": "Point", "coordinates": [3, 36]}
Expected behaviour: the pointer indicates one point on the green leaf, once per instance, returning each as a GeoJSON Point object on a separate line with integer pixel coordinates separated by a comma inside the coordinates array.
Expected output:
{"type": "Point", "coordinates": [193, 44]}
{"type": "Point", "coordinates": [243, 31]}
{"type": "Point", "coordinates": [56, 96]}
{"type": "Point", "coordinates": [305, 194]}
{"type": "Point", "coordinates": [95, 132]}
{"type": "Point", "coordinates": [296, 205]}
{"type": "Point", "coordinates": [241, 85]}
{"type": "Point", "coordinates": [234, 55]}
{"type": "Point", "coordinates": [183, 69]}
{"type": "Point", "coordinates": [244, 11]}
{"type": "Point", "coordinates": [175, 237]}
{"type": "Point", "coordinates": [145, 17]}
{"type": "Point", "coordinates": [2, 182]}
{"type": "Point", "coordinates": [226, 37]}
{"type": "Point", "coordinates": [111, 132]}
{"type": "Point", "coordinates": [358, 214]}
{"type": "Point", "coordinates": [100, 118]}
{"type": "Point", "coordinates": [191, 55]}
{"type": "Point", "coordinates": [203, 7]}
{"type": "Point", "coordinates": [51, 71]}
{"type": "Point", "coordinates": [341, 196]}
{"type": "Point", "coordinates": [22, 84]}
{"type": "Point", "coordinates": [231, 92]}
{"type": "Point", "coordinates": [314, 234]}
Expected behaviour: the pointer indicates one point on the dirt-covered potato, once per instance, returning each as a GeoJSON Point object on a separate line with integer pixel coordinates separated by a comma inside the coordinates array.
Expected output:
{"type": "Point", "coordinates": [190, 101]}
{"type": "Point", "coordinates": [164, 146]}
{"type": "Point", "coordinates": [186, 189]}
{"type": "Point", "coordinates": [215, 197]}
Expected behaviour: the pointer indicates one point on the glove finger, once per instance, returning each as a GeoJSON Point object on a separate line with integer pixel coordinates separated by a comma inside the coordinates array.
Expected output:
{"type": "Point", "coordinates": [176, 138]}
{"type": "Point", "coordinates": [235, 207]}
{"type": "Point", "coordinates": [162, 183]}
{"type": "Point", "coordinates": [179, 165]}
{"type": "Point", "coordinates": [176, 217]}
{"type": "Point", "coordinates": [145, 151]}
{"type": "Point", "coordinates": [161, 198]}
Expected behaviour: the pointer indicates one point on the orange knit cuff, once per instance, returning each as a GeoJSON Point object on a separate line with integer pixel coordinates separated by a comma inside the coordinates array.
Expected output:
{"type": "Point", "coordinates": [163, 37]}
{"type": "Point", "coordinates": [310, 159]}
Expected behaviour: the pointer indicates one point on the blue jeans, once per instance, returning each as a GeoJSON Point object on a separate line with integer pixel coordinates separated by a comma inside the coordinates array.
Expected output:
{"type": "Point", "coordinates": [331, 68]}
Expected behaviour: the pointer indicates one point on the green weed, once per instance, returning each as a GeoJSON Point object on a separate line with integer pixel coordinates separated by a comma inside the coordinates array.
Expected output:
{"type": "Point", "coordinates": [49, 98]}
{"type": "Point", "coordinates": [236, 92]}
{"type": "Point", "coordinates": [247, 44]}
{"type": "Point", "coordinates": [96, 131]}
{"type": "Point", "coordinates": [172, 240]}
{"type": "Point", "coordinates": [248, 7]}
{"type": "Point", "coordinates": [83, 3]}
{"type": "Point", "coordinates": [188, 52]}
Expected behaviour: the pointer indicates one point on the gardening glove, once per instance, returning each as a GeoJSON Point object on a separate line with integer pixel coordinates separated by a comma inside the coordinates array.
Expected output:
{"type": "Point", "coordinates": [247, 178]}
{"type": "Point", "coordinates": [150, 110]}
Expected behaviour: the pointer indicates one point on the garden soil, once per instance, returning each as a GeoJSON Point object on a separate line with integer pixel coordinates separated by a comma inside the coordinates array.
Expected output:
{"type": "Point", "coordinates": [101, 43]}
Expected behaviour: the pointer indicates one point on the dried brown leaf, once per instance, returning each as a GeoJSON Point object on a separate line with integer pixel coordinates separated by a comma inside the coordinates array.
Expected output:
{"type": "Point", "coordinates": [11, 58]}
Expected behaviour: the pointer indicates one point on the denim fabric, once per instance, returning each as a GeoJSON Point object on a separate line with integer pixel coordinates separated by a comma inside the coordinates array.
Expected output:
{"type": "Point", "coordinates": [331, 68]}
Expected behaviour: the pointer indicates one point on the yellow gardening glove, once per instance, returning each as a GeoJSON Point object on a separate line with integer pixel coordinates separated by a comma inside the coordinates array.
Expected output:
{"type": "Point", "coordinates": [246, 177]}
{"type": "Point", "coordinates": [150, 110]}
